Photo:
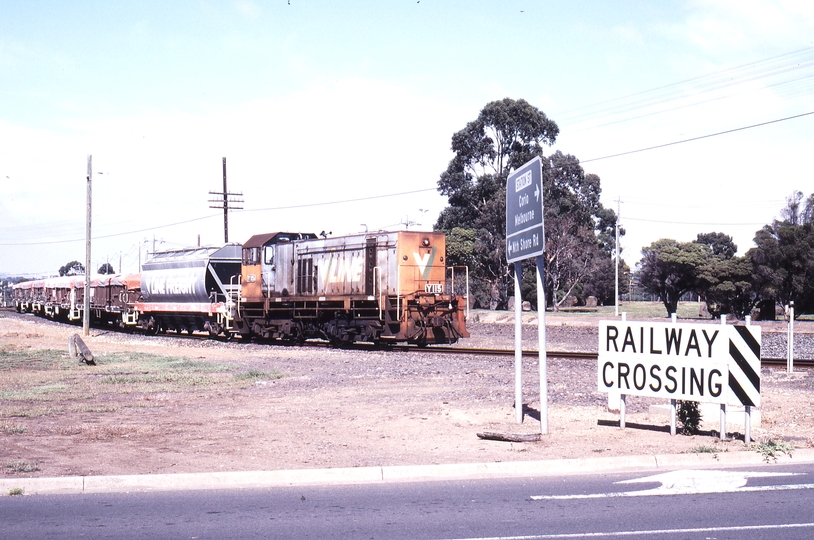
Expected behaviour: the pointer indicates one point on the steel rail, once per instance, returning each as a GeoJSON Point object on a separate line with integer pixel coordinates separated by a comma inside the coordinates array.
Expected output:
{"type": "Point", "coordinates": [802, 363]}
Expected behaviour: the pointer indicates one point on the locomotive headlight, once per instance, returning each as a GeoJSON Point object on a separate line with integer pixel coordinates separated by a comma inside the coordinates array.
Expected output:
{"type": "Point", "coordinates": [425, 242]}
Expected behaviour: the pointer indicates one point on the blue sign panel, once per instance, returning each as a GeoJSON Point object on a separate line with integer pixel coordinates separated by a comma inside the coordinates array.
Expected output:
{"type": "Point", "coordinates": [525, 236]}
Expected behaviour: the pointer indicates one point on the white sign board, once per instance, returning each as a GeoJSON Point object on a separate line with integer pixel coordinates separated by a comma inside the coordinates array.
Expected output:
{"type": "Point", "coordinates": [693, 362]}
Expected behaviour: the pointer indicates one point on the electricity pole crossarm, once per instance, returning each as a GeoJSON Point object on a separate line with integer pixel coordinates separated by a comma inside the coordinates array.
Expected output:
{"type": "Point", "coordinates": [226, 203]}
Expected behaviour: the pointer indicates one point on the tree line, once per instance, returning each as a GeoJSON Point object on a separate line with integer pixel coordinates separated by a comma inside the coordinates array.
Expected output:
{"type": "Point", "coordinates": [580, 250]}
{"type": "Point", "coordinates": [778, 270]}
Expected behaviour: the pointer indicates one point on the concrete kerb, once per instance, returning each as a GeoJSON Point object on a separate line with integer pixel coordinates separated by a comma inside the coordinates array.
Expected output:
{"type": "Point", "coordinates": [400, 473]}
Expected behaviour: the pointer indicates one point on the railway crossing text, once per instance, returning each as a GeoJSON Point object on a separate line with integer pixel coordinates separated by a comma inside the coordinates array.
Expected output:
{"type": "Point", "coordinates": [692, 362]}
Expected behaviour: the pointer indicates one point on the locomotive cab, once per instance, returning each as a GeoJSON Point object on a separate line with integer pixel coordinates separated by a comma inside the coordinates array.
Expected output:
{"type": "Point", "coordinates": [267, 264]}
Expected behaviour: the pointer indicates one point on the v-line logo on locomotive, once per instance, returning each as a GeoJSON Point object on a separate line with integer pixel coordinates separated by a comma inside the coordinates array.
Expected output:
{"type": "Point", "coordinates": [350, 269]}
{"type": "Point", "coordinates": [425, 263]}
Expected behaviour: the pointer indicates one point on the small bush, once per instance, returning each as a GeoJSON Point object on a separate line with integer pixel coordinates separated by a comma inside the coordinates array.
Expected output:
{"type": "Point", "coordinates": [16, 491]}
{"type": "Point", "coordinates": [689, 416]}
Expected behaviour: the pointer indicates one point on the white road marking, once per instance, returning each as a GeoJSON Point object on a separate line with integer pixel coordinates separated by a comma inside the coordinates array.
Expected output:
{"type": "Point", "coordinates": [647, 533]}
{"type": "Point", "coordinates": [688, 483]}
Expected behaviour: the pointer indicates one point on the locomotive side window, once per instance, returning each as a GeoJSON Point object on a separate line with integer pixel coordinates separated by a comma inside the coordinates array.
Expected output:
{"type": "Point", "coordinates": [268, 257]}
{"type": "Point", "coordinates": [305, 275]}
{"type": "Point", "coordinates": [251, 256]}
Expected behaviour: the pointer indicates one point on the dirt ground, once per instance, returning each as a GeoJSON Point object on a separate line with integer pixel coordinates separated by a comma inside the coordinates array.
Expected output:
{"type": "Point", "coordinates": [336, 408]}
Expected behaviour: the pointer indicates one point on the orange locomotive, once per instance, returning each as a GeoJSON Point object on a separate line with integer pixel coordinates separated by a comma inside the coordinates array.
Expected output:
{"type": "Point", "coordinates": [385, 287]}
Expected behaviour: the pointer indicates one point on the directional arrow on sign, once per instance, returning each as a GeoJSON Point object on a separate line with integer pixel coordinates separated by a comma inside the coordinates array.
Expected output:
{"type": "Point", "coordinates": [688, 483]}
{"type": "Point", "coordinates": [537, 192]}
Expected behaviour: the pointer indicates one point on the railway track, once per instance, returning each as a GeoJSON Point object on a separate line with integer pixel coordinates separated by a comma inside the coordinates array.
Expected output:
{"type": "Point", "coordinates": [573, 355]}
{"type": "Point", "coordinates": [447, 349]}
{"type": "Point", "coordinates": [576, 355]}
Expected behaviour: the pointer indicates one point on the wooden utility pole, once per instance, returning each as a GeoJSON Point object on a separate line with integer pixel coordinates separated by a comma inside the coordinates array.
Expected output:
{"type": "Point", "coordinates": [225, 201]}
{"type": "Point", "coordinates": [86, 306]}
{"type": "Point", "coordinates": [618, 217]}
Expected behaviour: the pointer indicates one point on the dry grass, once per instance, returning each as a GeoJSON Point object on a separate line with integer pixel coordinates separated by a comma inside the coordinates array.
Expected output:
{"type": "Point", "coordinates": [36, 383]}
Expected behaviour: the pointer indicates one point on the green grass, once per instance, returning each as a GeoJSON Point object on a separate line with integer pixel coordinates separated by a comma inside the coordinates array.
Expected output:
{"type": "Point", "coordinates": [257, 375]}
{"type": "Point", "coordinates": [36, 383]}
{"type": "Point", "coordinates": [635, 310]}
{"type": "Point", "coordinates": [13, 359]}
{"type": "Point", "coordinates": [13, 492]}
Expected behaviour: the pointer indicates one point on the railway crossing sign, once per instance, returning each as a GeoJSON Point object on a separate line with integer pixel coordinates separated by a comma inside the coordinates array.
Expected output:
{"type": "Point", "coordinates": [525, 235]}
{"type": "Point", "coordinates": [693, 362]}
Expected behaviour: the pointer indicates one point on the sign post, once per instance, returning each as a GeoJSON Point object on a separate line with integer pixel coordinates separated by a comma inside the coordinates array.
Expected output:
{"type": "Point", "coordinates": [525, 238]}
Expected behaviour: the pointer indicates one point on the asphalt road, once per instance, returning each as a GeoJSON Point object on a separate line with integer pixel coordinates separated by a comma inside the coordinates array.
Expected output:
{"type": "Point", "coordinates": [756, 503]}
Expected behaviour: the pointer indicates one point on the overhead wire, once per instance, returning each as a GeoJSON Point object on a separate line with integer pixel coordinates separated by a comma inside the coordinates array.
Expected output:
{"type": "Point", "coordinates": [739, 75]}
{"type": "Point", "coordinates": [698, 138]}
{"type": "Point", "coordinates": [689, 88]}
{"type": "Point", "coordinates": [168, 225]}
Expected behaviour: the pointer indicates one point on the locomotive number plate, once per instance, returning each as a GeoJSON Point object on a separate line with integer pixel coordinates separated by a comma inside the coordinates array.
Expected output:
{"type": "Point", "coordinates": [433, 288]}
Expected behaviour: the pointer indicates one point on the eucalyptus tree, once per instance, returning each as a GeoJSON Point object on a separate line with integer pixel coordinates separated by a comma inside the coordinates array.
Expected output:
{"type": "Point", "coordinates": [669, 269]}
{"type": "Point", "coordinates": [507, 134]}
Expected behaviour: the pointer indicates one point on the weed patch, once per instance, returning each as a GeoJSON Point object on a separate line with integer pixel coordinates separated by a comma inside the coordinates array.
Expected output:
{"type": "Point", "coordinates": [12, 429]}
{"type": "Point", "coordinates": [771, 449]}
{"type": "Point", "coordinates": [256, 375]}
{"type": "Point", "coordinates": [703, 449]}
{"type": "Point", "coordinates": [14, 467]}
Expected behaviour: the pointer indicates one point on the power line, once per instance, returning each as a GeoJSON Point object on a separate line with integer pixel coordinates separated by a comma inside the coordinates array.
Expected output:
{"type": "Point", "coordinates": [164, 226]}
{"type": "Point", "coordinates": [293, 207]}
{"type": "Point", "coordinates": [767, 203]}
{"type": "Point", "coordinates": [698, 138]}
{"type": "Point", "coordinates": [694, 223]}
{"type": "Point", "coordinates": [684, 90]}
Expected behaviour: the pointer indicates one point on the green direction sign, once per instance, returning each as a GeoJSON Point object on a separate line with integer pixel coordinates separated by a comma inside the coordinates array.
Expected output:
{"type": "Point", "coordinates": [525, 236]}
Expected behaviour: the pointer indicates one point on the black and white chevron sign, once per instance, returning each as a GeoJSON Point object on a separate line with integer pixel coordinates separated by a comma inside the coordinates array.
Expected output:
{"type": "Point", "coordinates": [744, 365]}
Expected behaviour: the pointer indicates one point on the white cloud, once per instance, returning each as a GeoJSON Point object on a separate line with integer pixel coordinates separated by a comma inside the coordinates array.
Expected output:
{"type": "Point", "coordinates": [248, 8]}
{"type": "Point", "coordinates": [348, 139]}
{"type": "Point", "coordinates": [754, 25]}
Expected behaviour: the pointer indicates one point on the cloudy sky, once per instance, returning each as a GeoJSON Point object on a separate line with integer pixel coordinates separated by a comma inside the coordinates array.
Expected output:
{"type": "Point", "coordinates": [337, 116]}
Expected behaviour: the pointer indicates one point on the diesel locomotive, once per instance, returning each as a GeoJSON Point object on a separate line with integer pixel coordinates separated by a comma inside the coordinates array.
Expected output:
{"type": "Point", "coordinates": [384, 287]}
